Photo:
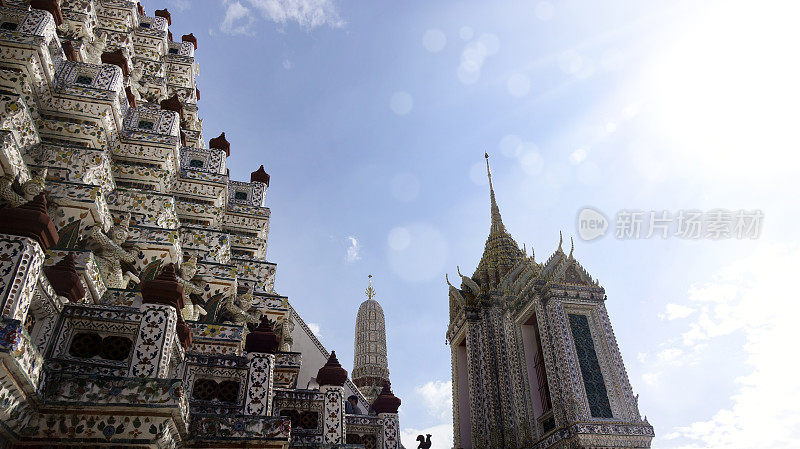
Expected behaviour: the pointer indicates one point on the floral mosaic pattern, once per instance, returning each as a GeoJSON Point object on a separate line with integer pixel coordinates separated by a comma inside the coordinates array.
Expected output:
{"type": "Point", "coordinates": [152, 351]}
{"type": "Point", "coordinates": [259, 384]}
{"type": "Point", "coordinates": [333, 415]}
{"type": "Point", "coordinates": [19, 270]}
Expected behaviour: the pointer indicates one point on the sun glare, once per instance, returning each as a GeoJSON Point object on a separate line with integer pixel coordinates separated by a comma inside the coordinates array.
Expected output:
{"type": "Point", "coordinates": [725, 90]}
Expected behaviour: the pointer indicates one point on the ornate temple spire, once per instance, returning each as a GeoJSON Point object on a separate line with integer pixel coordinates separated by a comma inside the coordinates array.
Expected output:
{"type": "Point", "coordinates": [370, 361]}
{"type": "Point", "coordinates": [501, 251]}
{"type": "Point", "coordinates": [497, 220]}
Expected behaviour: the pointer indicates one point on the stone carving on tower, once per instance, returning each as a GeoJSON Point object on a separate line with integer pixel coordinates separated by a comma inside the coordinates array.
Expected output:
{"type": "Point", "coordinates": [370, 364]}
{"type": "Point", "coordinates": [534, 359]}
{"type": "Point", "coordinates": [137, 304]}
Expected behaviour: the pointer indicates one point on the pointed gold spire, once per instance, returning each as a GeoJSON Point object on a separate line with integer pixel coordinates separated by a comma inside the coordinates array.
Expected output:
{"type": "Point", "coordinates": [370, 291]}
{"type": "Point", "coordinates": [497, 220]}
{"type": "Point", "coordinates": [560, 241]}
{"type": "Point", "coordinates": [501, 252]}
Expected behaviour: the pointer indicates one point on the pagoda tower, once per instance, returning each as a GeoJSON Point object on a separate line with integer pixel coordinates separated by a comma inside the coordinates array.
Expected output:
{"type": "Point", "coordinates": [534, 359]}
{"type": "Point", "coordinates": [137, 303]}
{"type": "Point", "coordinates": [370, 366]}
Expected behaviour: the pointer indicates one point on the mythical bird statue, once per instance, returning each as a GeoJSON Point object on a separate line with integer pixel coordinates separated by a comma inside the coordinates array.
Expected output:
{"type": "Point", "coordinates": [424, 443]}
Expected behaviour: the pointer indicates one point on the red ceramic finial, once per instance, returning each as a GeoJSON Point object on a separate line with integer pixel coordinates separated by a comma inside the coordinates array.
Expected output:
{"type": "Point", "coordinates": [386, 402]}
{"type": "Point", "coordinates": [190, 38]}
{"type": "Point", "coordinates": [173, 103]}
{"type": "Point", "coordinates": [117, 58]}
{"type": "Point", "coordinates": [65, 279]}
{"type": "Point", "coordinates": [164, 289]}
{"type": "Point", "coordinates": [50, 6]}
{"type": "Point", "coordinates": [165, 14]}
{"type": "Point", "coordinates": [332, 373]}
{"type": "Point", "coordinates": [262, 339]}
{"type": "Point", "coordinates": [260, 176]}
{"type": "Point", "coordinates": [220, 143]}
{"type": "Point", "coordinates": [30, 220]}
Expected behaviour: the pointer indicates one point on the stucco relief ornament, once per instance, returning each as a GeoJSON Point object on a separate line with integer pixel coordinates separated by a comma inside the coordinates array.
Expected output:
{"type": "Point", "coordinates": [137, 87]}
{"type": "Point", "coordinates": [238, 308]}
{"type": "Point", "coordinates": [111, 255]}
{"type": "Point", "coordinates": [193, 290]}
{"type": "Point", "coordinates": [27, 190]}
{"type": "Point", "coordinates": [286, 334]}
{"type": "Point", "coordinates": [95, 49]}
{"type": "Point", "coordinates": [195, 125]}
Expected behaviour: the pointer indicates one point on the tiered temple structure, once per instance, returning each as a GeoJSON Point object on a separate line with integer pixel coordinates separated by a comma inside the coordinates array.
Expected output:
{"type": "Point", "coordinates": [370, 365]}
{"type": "Point", "coordinates": [137, 305]}
{"type": "Point", "coordinates": [535, 363]}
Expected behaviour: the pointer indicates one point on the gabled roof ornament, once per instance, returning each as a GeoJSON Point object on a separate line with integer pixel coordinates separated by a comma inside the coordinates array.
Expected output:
{"type": "Point", "coordinates": [560, 241]}
{"type": "Point", "coordinates": [572, 247]}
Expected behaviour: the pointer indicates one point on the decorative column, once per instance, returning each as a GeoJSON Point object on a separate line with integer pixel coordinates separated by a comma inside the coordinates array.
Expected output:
{"type": "Point", "coordinates": [25, 234]}
{"type": "Point", "coordinates": [260, 346]}
{"type": "Point", "coordinates": [162, 299]}
{"type": "Point", "coordinates": [331, 379]}
{"type": "Point", "coordinates": [386, 405]}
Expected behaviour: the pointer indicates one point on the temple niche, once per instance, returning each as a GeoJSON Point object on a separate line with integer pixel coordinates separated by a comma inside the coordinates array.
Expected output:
{"type": "Point", "coordinates": [138, 304]}
{"type": "Point", "coordinates": [534, 359]}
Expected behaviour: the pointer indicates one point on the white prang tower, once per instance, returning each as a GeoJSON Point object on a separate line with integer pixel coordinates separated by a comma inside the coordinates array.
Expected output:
{"type": "Point", "coordinates": [370, 366]}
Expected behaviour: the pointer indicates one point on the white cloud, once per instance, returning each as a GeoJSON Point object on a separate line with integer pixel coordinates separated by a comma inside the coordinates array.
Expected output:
{"type": "Point", "coordinates": [749, 298]}
{"type": "Point", "coordinates": [180, 5]}
{"type": "Point", "coordinates": [308, 14]}
{"type": "Point", "coordinates": [651, 378]}
{"type": "Point", "coordinates": [437, 397]}
{"type": "Point", "coordinates": [353, 249]}
{"type": "Point", "coordinates": [441, 436]}
{"type": "Point", "coordinates": [671, 356]}
{"type": "Point", "coordinates": [676, 311]}
{"type": "Point", "coordinates": [238, 19]}
{"type": "Point", "coordinates": [315, 329]}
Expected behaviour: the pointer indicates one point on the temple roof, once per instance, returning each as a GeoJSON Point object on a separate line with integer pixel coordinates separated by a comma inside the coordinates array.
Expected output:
{"type": "Point", "coordinates": [501, 251]}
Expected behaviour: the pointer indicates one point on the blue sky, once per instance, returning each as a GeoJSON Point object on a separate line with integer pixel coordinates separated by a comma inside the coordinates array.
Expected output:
{"type": "Point", "coordinates": [372, 119]}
